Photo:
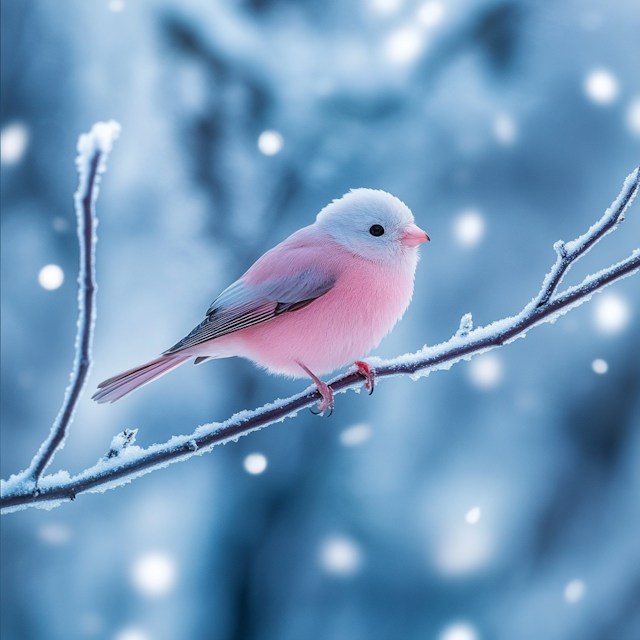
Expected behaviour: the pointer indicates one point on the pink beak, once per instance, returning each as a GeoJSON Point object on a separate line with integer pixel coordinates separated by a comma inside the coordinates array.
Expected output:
{"type": "Point", "coordinates": [414, 236]}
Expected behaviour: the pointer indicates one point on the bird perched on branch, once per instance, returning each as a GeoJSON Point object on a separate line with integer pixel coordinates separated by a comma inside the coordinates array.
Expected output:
{"type": "Point", "coordinates": [321, 299]}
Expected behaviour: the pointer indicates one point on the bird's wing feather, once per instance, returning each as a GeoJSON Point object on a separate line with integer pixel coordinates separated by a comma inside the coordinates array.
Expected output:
{"type": "Point", "coordinates": [243, 305]}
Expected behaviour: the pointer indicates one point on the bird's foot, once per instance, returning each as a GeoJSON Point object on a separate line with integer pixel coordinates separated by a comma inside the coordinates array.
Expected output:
{"type": "Point", "coordinates": [327, 399]}
{"type": "Point", "coordinates": [325, 391]}
{"type": "Point", "coordinates": [368, 374]}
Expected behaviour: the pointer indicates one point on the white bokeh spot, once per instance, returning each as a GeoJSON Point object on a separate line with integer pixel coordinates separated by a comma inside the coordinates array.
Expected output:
{"type": "Point", "coordinates": [468, 228]}
{"type": "Point", "coordinates": [385, 7]}
{"type": "Point", "coordinates": [505, 129]}
{"type": "Point", "coordinates": [459, 631]}
{"type": "Point", "coordinates": [601, 86]}
{"type": "Point", "coordinates": [431, 14]}
{"type": "Point", "coordinates": [473, 515]}
{"type": "Point", "coordinates": [340, 556]}
{"type": "Point", "coordinates": [462, 550]}
{"type": "Point", "coordinates": [60, 225]}
{"type": "Point", "coordinates": [116, 6]}
{"type": "Point", "coordinates": [404, 45]}
{"type": "Point", "coordinates": [600, 366]}
{"type": "Point", "coordinates": [486, 371]}
{"type": "Point", "coordinates": [355, 435]}
{"type": "Point", "coordinates": [154, 574]}
{"type": "Point", "coordinates": [270, 142]}
{"type": "Point", "coordinates": [51, 277]}
{"type": "Point", "coordinates": [131, 633]}
{"type": "Point", "coordinates": [633, 116]}
{"type": "Point", "coordinates": [611, 313]}
{"type": "Point", "coordinates": [574, 591]}
{"type": "Point", "coordinates": [14, 140]}
{"type": "Point", "coordinates": [55, 534]}
{"type": "Point", "coordinates": [255, 463]}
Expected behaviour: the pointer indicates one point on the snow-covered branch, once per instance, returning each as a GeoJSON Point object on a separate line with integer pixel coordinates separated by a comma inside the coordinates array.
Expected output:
{"type": "Point", "coordinates": [91, 162]}
{"type": "Point", "coordinates": [125, 461]}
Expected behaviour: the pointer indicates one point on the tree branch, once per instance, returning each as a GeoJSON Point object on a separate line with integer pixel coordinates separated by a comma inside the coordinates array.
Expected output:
{"type": "Point", "coordinates": [570, 252]}
{"type": "Point", "coordinates": [93, 150]}
{"type": "Point", "coordinates": [125, 461]}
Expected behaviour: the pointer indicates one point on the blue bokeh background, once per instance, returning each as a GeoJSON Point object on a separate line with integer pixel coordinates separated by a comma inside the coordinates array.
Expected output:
{"type": "Point", "coordinates": [498, 500]}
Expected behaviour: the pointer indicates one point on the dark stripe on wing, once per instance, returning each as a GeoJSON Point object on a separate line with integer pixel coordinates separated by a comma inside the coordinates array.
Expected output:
{"type": "Point", "coordinates": [284, 307]}
{"type": "Point", "coordinates": [217, 325]}
{"type": "Point", "coordinates": [241, 306]}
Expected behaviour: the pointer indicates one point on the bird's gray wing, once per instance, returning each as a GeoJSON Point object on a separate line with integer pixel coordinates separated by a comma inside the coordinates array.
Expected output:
{"type": "Point", "coordinates": [243, 305]}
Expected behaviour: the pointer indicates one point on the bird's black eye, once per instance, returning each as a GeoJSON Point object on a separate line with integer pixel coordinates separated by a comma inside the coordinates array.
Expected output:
{"type": "Point", "coordinates": [376, 230]}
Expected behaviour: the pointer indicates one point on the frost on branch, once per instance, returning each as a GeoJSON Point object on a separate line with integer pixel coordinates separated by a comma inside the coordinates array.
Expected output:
{"type": "Point", "coordinates": [570, 252]}
{"type": "Point", "coordinates": [125, 461]}
{"type": "Point", "coordinates": [561, 249]}
{"type": "Point", "coordinates": [123, 440]}
{"type": "Point", "coordinates": [466, 326]}
{"type": "Point", "coordinates": [93, 149]}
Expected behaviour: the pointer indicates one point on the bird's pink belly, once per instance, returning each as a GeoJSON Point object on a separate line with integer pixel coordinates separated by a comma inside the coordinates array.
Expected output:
{"type": "Point", "coordinates": [333, 331]}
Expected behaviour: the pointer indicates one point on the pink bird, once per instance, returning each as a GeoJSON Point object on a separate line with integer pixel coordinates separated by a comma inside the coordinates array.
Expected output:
{"type": "Point", "coordinates": [321, 299]}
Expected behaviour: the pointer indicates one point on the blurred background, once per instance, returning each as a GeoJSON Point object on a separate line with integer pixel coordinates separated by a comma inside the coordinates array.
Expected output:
{"type": "Point", "coordinates": [498, 500]}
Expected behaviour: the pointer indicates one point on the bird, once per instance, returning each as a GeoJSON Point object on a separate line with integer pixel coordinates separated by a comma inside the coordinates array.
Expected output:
{"type": "Point", "coordinates": [318, 301]}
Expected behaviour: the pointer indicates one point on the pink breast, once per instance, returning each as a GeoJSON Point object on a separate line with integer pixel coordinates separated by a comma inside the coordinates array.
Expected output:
{"type": "Point", "coordinates": [333, 331]}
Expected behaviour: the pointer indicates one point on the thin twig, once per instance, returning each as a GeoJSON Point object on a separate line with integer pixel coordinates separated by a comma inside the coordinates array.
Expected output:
{"type": "Point", "coordinates": [125, 461]}
{"type": "Point", "coordinates": [93, 149]}
{"type": "Point", "coordinates": [570, 252]}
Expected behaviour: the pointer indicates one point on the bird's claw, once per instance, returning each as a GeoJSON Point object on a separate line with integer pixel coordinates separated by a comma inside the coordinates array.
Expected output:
{"type": "Point", "coordinates": [321, 412]}
{"type": "Point", "coordinates": [327, 399]}
{"type": "Point", "coordinates": [368, 374]}
{"type": "Point", "coordinates": [325, 391]}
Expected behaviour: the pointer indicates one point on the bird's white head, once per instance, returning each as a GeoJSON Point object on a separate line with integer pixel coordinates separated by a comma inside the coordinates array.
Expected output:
{"type": "Point", "coordinates": [372, 224]}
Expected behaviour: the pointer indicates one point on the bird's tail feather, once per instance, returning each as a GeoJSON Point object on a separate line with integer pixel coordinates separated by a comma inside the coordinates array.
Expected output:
{"type": "Point", "coordinates": [123, 384]}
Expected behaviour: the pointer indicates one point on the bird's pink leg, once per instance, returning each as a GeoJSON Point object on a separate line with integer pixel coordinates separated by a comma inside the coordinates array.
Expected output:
{"type": "Point", "coordinates": [325, 391]}
{"type": "Point", "coordinates": [367, 373]}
